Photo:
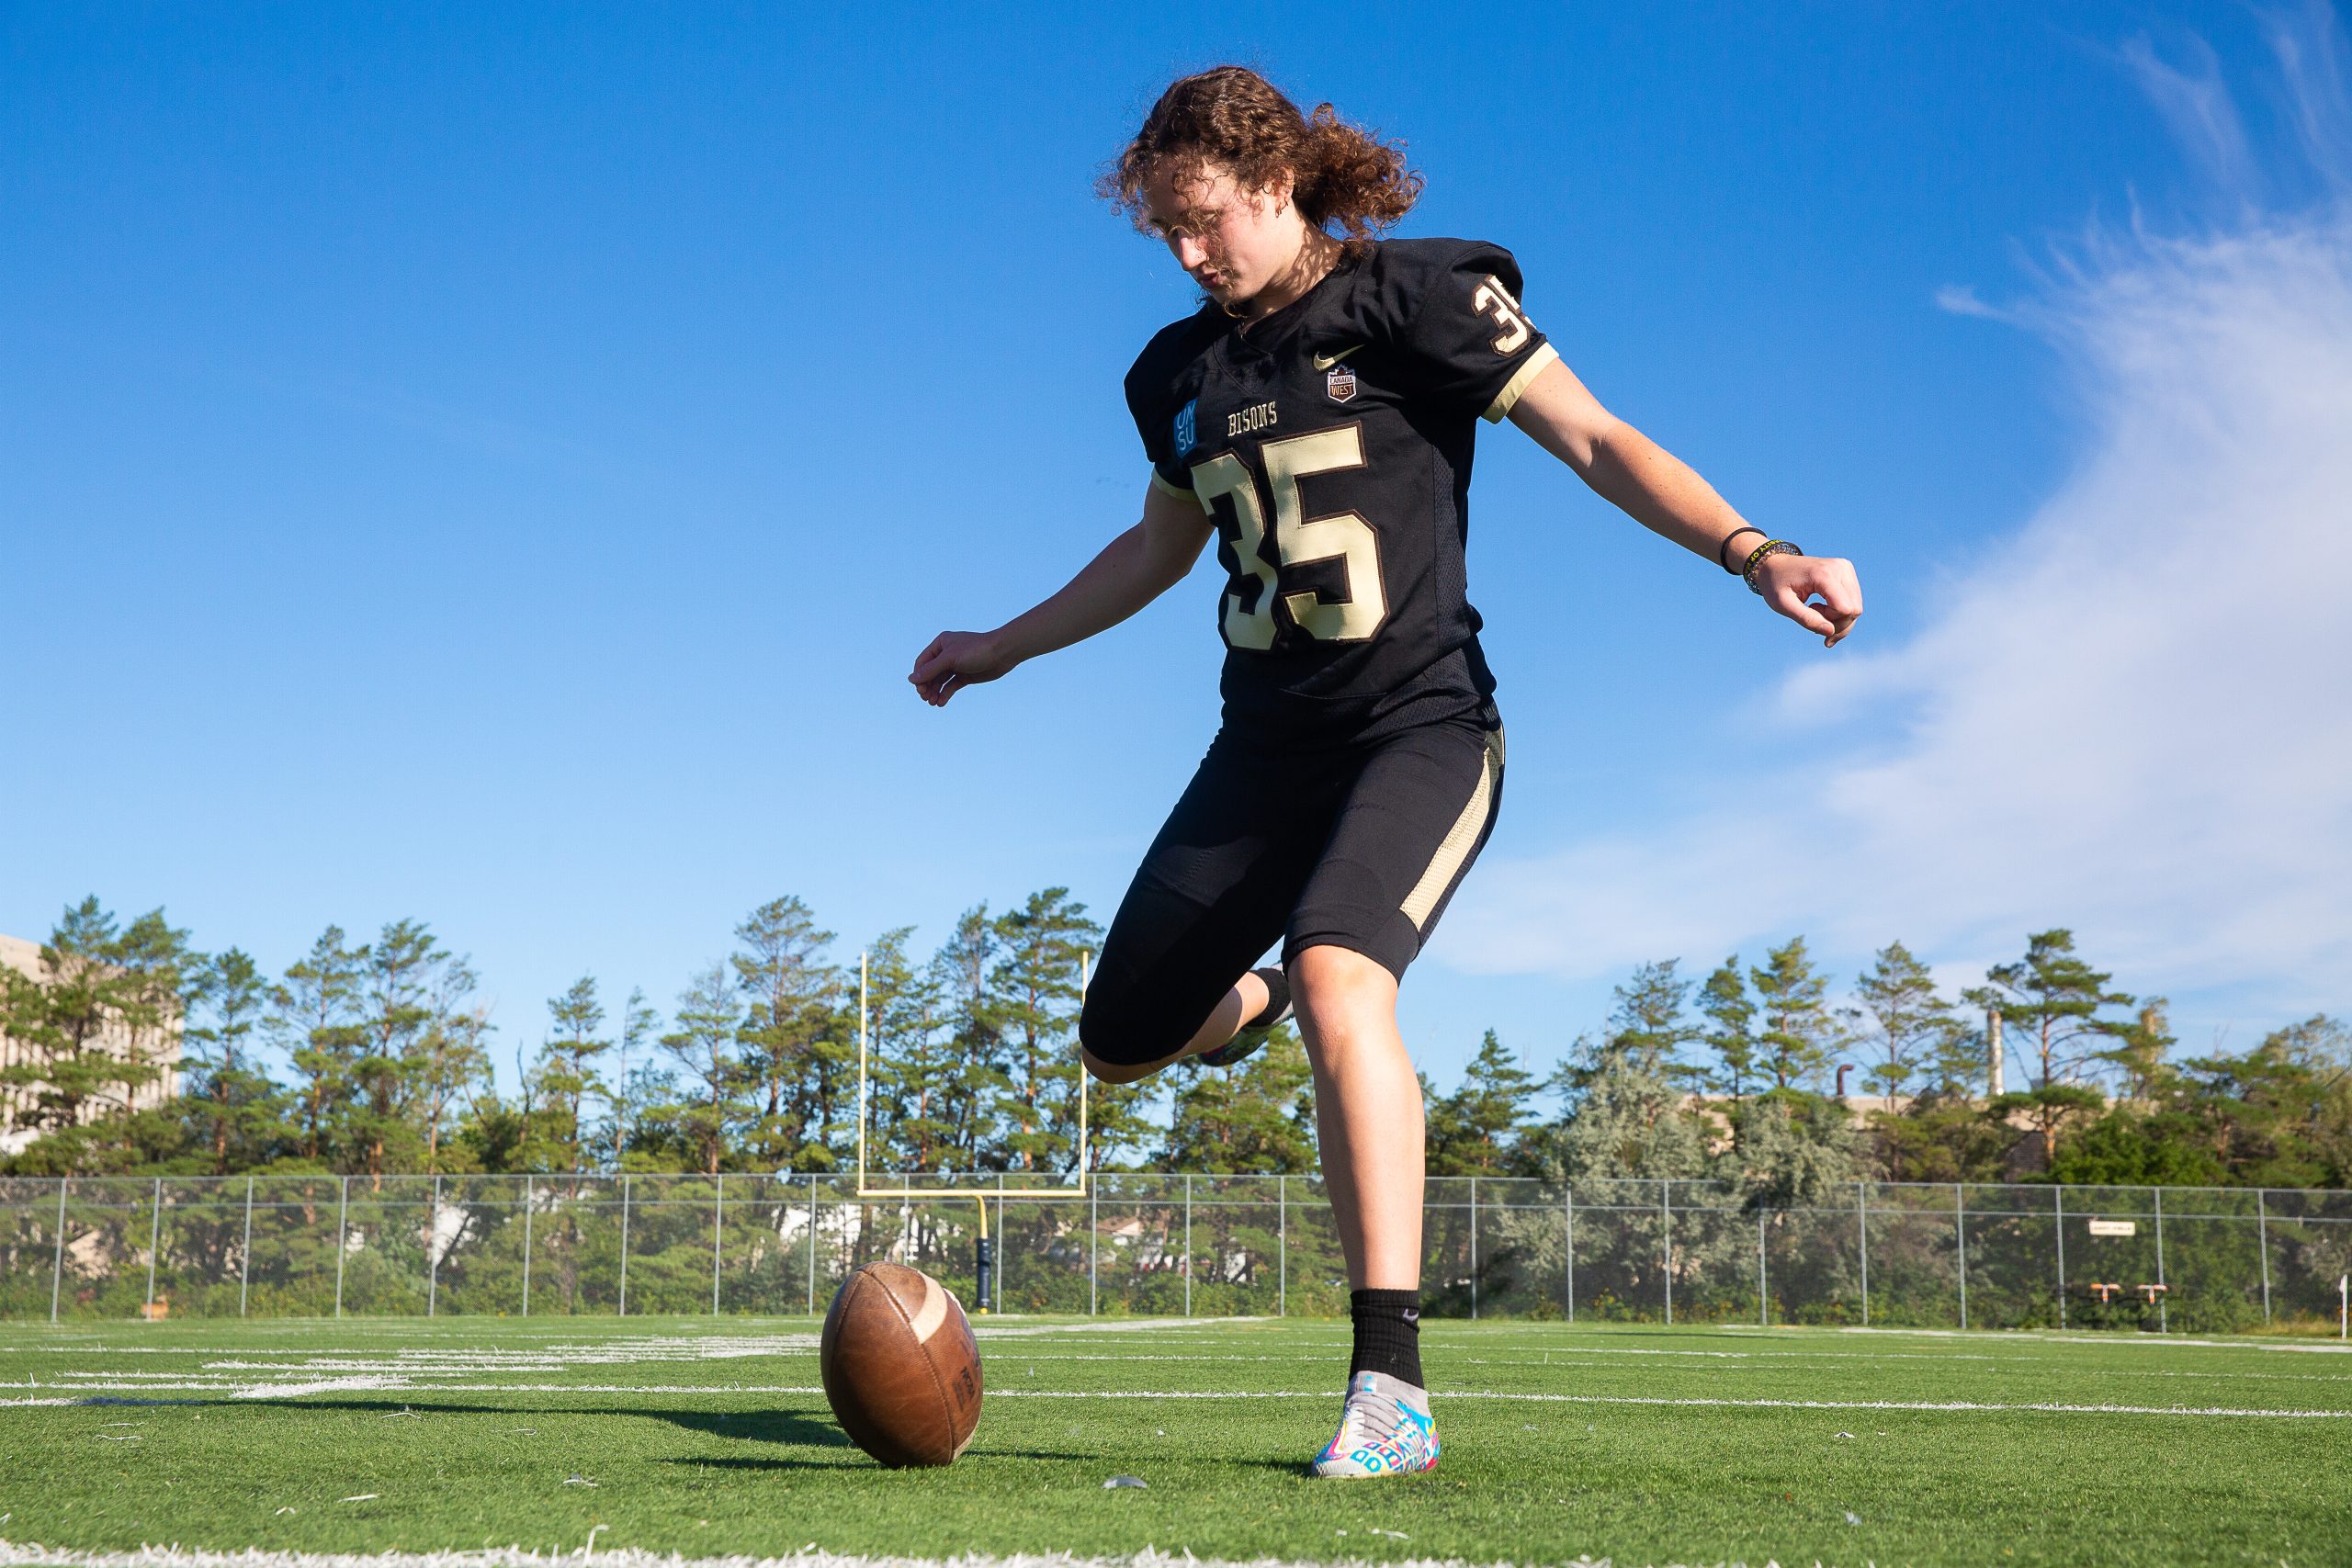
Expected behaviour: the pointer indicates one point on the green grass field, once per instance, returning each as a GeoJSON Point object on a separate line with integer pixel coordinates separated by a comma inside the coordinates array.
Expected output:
{"type": "Point", "coordinates": [707, 1437]}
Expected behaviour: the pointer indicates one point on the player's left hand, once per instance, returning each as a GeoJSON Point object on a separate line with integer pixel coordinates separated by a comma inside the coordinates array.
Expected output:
{"type": "Point", "coordinates": [1793, 584]}
{"type": "Point", "coordinates": [953, 661]}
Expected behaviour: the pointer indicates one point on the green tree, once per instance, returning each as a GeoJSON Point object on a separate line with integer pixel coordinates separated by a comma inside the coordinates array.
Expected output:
{"type": "Point", "coordinates": [1647, 1018]}
{"type": "Point", "coordinates": [790, 1035]}
{"type": "Point", "coordinates": [2322, 1046]}
{"type": "Point", "coordinates": [59, 1018]}
{"type": "Point", "coordinates": [1257, 1117]}
{"type": "Point", "coordinates": [2050, 1108]}
{"type": "Point", "coordinates": [972, 1082]}
{"type": "Point", "coordinates": [1907, 1017]}
{"type": "Point", "coordinates": [1798, 1151]}
{"type": "Point", "coordinates": [315, 1019]}
{"type": "Point", "coordinates": [1943, 1136]}
{"type": "Point", "coordinates": [94, 1026]}
{"type": "Point", "coordinates": [703, 1039]}
{"type": "Point", "coordinates": [2141, 1052]}
{"type": "Point", "coordinates": [400, 971]}
{"type": "Point", "coordinates": [567, 1075]}
{"type": "Point", "coordinates": [234, 1108]}
{"type": "Point", "coordinates": [907, 1061]}
{"type": "Point", "coordinates": [450, 1060]}
{"type": "Point", "coordinates": [147, 970]}
{"type": "Point", "coordinates": [1037, 985]}
{"type": "Point", "coordinates": [1725, 1000]}
{"type": "Point", "coordinates": [2051, 1001]}
{"type": "Point", "coordinates": [2132, 1147]}
{"type": "Point", "coordinates": [1800, 1032]}
{"type": "Point", "coordinates": [632, 1091]}
{"type": "Point", "coordinates": [1476, 1130]}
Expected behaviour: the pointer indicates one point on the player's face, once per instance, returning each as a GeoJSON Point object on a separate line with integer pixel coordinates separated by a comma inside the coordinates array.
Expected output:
{"type": "Point", "coordinates": [1233, 242]}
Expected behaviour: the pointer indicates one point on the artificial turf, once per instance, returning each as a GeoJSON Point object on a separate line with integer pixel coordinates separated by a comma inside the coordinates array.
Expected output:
{"type": "Point", "coordinates": [706, 1437]}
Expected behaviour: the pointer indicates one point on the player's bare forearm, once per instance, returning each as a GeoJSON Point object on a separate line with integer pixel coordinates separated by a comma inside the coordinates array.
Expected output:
{"type": "Point", "coordinates": [1667, 496]}
{"type": "Point", "coordinates": [1126, 574]}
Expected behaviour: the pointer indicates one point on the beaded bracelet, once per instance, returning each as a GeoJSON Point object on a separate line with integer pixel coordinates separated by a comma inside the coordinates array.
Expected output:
{"type": "Point", "coordinates": [1722, 551]}
{"type": "Point", "coordinates": [1755, 558]}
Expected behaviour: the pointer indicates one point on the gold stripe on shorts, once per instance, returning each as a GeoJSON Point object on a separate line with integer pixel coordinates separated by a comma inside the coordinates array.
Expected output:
{"type": "Point", "coordinates": [1455, 847]}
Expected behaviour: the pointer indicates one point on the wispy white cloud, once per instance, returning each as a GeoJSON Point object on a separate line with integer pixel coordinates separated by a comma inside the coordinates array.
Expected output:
{"type": "Point", "coordinates": [1960, 299]}
{"type": "Point", "coordinates": [2197, 106]}
{"type": "Point", "coordinates": [2134, 716]}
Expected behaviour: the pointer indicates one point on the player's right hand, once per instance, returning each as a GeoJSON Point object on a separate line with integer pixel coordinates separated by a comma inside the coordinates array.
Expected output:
{"type": "Point", "coordinates": [954, 661]}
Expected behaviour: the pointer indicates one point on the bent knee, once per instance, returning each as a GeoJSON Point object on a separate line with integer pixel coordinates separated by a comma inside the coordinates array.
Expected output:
{"type": "Point", "coordinates": [1106, 1072]}
{"type": "Point", "coordinates": [1120, 1043]}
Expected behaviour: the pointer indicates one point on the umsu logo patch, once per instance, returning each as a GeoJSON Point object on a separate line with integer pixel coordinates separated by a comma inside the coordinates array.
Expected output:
{"type": "Point", "coordinates": [1187, 431]}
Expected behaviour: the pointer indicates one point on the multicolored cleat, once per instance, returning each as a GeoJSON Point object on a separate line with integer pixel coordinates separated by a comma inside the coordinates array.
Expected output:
{"type": "Point", "coordinates": [1385, 1428]}
{"type": "Point", "coordinates": [1252, 1035]}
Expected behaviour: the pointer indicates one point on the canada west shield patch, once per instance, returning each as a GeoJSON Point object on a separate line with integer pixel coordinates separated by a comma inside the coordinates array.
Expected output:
{"type": "Point", "coordinates": [1340, 384]}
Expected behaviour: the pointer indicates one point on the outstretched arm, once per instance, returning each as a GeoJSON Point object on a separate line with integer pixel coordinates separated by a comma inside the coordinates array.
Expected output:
{"type": "Point", "coordinates": [1133, 570]}
{"type": "Point", "coordinates": [1659, 491]}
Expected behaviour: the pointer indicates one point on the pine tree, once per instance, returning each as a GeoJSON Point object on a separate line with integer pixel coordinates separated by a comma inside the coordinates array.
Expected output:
{"type": "Point", "coordinates": [972, 1078]}
{"type": "Point", "coordinates": [1800, 1032]}
{"type": "Point", "coordinates": [1255, 1118]}
{"type": "Point", "coordinates": [400, 971]}
{"type": "Point", "coordinates": [1625, 1118]}
{"type": "Point", "coordinates": [233, 1107]}
{"type": "Point", "coordinates": [906, 1060]}
{"type": "Point", "coordinates": [146, 971]}
{"type": "Point", "coordinates": [1476, 1130]}
{"type": "Point", "coordinates": [1646, 1016]}
{"type": "Point", "coordinates": [2140, 1053]}
{"type": "Point", "coordinates": [1910, 1019]}
{"type": "Point", "coordinates": [2051, 1001]}
{"type": "Point", "coordinates": [629, 1094]}
{"type": "Point", "coordinates": [1725, 1001]}
{"type": "Point", "coordinates": [790, 1035]}
{"type": "Point", "coordinates": [450, 1059]}
{"type": "Point", "coordinates": [314, 1018]}
{"type": "Point", "coordinates": [1036, 983]}
{"type": "Point", "coordinates": [61, 1020]}
{"type": "Point", "coordinates": [567, 1075]}
{"type": "Point", "coordinates": [706, 1028]}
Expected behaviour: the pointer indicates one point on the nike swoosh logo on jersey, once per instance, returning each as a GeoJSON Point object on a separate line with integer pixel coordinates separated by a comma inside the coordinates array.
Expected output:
{"type": "Point", "coordinates": [1325, 361]}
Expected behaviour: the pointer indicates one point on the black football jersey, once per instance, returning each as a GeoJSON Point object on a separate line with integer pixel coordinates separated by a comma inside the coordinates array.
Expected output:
{"type": "Point", "coordinates": [1331, 442]}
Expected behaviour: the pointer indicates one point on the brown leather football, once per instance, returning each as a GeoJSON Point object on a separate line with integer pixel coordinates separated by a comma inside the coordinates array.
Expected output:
{"type": "Point", "coordinates": [901, 1370]}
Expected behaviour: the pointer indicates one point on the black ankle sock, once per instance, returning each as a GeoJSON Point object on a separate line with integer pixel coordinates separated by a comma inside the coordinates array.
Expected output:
{"type": "Point", "coordinates": [1277, 999]}
{"type": "Point", "coordinates": [1388, 1334]}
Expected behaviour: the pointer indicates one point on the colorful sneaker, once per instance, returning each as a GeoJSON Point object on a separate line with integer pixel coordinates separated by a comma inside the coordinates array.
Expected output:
{"type": "Point", "coordinates": [1251, 1035]}
{"type": "Point", "coordinates": [1385, 1428]}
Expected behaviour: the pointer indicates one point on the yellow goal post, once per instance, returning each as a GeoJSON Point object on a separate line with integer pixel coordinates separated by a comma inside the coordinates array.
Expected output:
{"type": "Point", "coordinates": [984, 1275]}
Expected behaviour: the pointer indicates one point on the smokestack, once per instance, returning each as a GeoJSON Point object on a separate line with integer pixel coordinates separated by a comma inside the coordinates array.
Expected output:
{"type": "Point", "coordinates": [1993, 1050]}
{"type": "Point", "coordinates": [1843, 1068]}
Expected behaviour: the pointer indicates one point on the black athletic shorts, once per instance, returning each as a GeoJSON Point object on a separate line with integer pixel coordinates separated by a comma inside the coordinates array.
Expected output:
{"type": "Point", "coordinates": [1357, 847]}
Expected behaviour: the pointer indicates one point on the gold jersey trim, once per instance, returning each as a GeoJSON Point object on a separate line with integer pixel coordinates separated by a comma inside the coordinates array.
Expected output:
{"type": "Point", "coordinates": [1460, 840]}
{"type": "Point", "coordinates": [1521, 379]}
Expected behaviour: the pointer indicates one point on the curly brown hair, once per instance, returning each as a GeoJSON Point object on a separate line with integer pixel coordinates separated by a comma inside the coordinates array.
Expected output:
{"type": "Point", "coordinates": [1341, 174]}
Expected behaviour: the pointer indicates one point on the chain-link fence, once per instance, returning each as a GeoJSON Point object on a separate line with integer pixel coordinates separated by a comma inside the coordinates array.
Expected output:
{"type": "Point", "coordinates": [2199, 1260]}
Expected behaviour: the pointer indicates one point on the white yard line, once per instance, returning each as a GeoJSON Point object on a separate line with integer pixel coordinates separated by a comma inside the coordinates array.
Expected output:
{"type": "Point", "coordinates": [268, 1392]}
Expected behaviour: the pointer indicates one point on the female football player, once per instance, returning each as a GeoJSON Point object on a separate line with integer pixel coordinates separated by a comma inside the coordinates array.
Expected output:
{"type": "Point", "coordinates": [1315, 416]}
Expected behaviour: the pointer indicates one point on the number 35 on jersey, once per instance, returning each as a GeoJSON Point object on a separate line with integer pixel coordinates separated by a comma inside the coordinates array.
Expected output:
{"type": "Point", "coordinates": [1297, 540]}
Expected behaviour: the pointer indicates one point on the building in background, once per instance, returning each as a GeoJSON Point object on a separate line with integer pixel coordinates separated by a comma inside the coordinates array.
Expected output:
{"type": "Point", "coordinates": [20, 1097]}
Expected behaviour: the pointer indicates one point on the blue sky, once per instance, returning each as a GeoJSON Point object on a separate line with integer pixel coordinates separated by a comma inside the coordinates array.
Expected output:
{"type": "Point", "coordinates": [496, 465]}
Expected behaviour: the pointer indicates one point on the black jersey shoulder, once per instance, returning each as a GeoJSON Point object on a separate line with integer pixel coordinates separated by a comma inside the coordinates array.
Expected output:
{"type": "Point", "coordinates": [1159, 371]}
{"type": "Point", "coordinates": [1400, 279]}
